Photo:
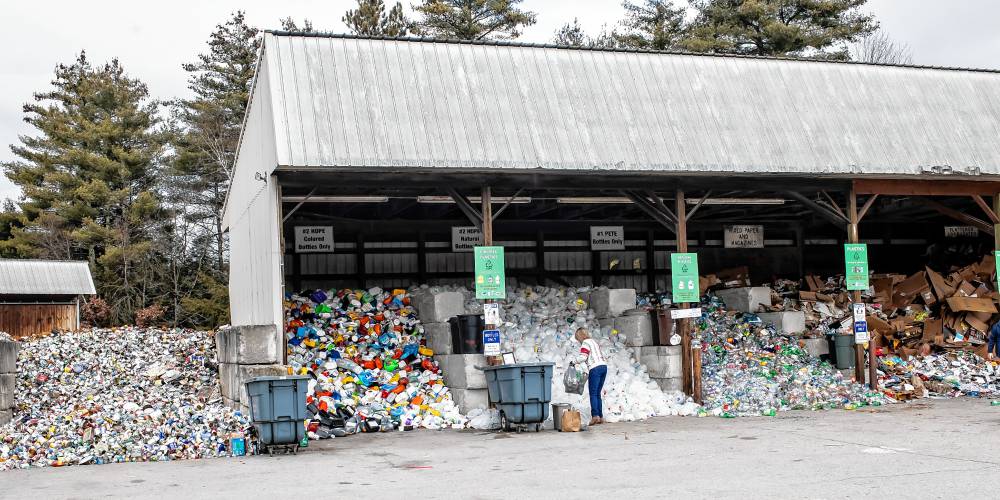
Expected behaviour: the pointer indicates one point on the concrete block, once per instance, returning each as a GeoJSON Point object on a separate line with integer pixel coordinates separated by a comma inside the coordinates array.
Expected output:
{"type": "Point", "coordinates": [6, 416]}
{"type": "Point", "coordinates": [662, 361]}
{"type": "Point", "coordinates": [612, 302]}
{"type": "Point", "coordinates": [248, 345]}
{"type": "Point", "coordinates": [437, 307]}
{"type": "Point", "coordinates": [232, 378]}
{"type": "Point", "coordinates": [470, 399]}
{"type": "Point", "coordinates": [786, 321]}
{"type": "Point", "coordinates": [8, 356]}
{"type": "Point", "coordinates": [236, 405]}
{"type": "Point", "coordinates": [669, 384]}
{"type": "Point", "coordinates": [7, 384]}
{"type": "Point", "coordinates": [636, 328]}
{"type": "Point", "coordinates": [437, 336]}
{"type": "Point", "coordinates": [745, 299]}
{"type": "Point", "coordinates": [459, 370]}
{"type": "Point", "coordinates": [817, 347]}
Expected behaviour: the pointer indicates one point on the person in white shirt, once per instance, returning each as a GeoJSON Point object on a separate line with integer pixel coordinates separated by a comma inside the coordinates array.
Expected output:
{"type": "Point", "coordinates": [590, 353]}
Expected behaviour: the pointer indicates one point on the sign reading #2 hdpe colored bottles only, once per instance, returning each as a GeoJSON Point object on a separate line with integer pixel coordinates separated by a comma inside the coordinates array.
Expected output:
{"type": "Point", "coordinates": [684, 275]}
{"type": "Point", "coordinates": [856, 266]}
{"type": "Point", "coordinates": [491, 283]}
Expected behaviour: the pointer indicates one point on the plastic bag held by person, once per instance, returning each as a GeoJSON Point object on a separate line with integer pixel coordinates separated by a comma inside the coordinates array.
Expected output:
{"type": "Point", "coordinates": [575, 379]}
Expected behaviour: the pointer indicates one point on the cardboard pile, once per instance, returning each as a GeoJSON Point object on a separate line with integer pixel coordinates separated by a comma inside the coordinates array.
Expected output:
{"type": "Point", "coordinates": [931, 311]}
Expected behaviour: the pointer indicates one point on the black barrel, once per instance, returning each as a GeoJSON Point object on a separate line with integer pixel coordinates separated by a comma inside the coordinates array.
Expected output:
{"type": "Point", "coordinates": [467, 334]}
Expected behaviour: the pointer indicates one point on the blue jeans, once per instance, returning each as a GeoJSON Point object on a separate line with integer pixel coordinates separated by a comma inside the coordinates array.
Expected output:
{"type": "Point", "coordinates": [595, 383]}
{"type": "Point", "coordinates": [994, 344]}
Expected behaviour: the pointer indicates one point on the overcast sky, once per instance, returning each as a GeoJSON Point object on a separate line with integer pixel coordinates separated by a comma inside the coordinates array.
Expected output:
{"type": "Point", "coordinates": [153, 39]}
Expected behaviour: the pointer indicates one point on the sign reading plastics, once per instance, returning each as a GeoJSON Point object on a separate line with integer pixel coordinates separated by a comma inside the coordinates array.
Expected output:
{"type": "Point", "coordinates": [684, 277]}
{"type": "Point", "coordinates": [856, 266]}
{"type": "Point", "coordinates": [490, 280]}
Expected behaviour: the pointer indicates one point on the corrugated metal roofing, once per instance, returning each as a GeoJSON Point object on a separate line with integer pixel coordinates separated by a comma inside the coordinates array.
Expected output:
{"type": "Point", "coordinates": [356, 102]}
{"type": "Point", "coordinates": [45, 277]}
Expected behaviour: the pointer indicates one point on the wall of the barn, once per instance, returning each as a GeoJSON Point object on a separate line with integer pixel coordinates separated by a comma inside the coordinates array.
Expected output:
{"type": "Point", "coordinates": [252, 216]}
{"type": "Point", "coordinates": [28, 320]}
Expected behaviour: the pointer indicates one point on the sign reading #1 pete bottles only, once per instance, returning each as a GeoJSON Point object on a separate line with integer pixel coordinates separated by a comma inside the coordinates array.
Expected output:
{"type": "Point", "coordinates": [856, 266]}
{"type": "Point", "coordinates": [491, 283]}
{"type": "Point", "coordinates": [684, 276]}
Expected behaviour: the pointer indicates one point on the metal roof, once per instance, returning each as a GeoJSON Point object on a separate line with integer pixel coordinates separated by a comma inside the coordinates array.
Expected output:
{"type": "Point", "coordinates": [45, 277]}
{"type": "Point", "coordinates": [360, 103]}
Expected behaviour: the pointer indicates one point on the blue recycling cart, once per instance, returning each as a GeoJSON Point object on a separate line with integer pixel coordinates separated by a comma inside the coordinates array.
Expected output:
{"type": "Point", "coordinates": [521, 392]}
{"type": "Point", "coordinates": [278, 410]}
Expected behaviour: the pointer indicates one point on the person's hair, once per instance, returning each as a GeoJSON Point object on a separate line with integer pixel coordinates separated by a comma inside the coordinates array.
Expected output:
{"type": "Point", "coordinates": [581, 334]}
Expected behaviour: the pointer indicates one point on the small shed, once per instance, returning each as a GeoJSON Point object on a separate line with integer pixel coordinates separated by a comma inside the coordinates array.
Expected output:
{"type": "Point", "coordinates": [39, 296]}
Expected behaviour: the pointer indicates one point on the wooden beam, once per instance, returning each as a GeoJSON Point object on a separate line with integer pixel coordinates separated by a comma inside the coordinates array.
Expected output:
{"type": "Point", "coordinates": [699, 204]}
{"type": "Point", "coordinates": [509, 201]}
{"type": "Point", "coordinates": [986, 208]}
{"type": "Point", "coordinates": [868, 204]}
{"type": "Point", "coordinates": [937, 187]}
{"type": "Point", "coordinates": [834, 204]}
{"type": "Point", "coordinates": [831, 216]}
{"type": "Point", "coordinates": [658, 202]}
{"type": "Point", "coordinates": [955, 214]}
{"type": "Point", "coordinates": [475, 216]}
{"type": "Point", "coordinates": [651, 210]}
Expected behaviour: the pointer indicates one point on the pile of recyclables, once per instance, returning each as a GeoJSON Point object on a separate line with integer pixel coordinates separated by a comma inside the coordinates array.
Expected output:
{"type": "Point", "coordinates": [117, 395]}
{"type": "Point", "coordinates": [371, 371]}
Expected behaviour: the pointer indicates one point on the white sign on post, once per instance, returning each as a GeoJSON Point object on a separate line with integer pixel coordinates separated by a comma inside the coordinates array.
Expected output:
{"type": "Point", "coordinates": [313, 239]}
{"type": "Point", "coordinates": [685, 313]}
{"type": "Point", "coordinates": [465, 238]}
{"type": "Point", "coordinates": [491, 314]}
{"type": "Point", "coordinates": [607, 237]}
{"type": "Point", "coordinates": [859, 313]}
{"type": "Point", "coordinates": [744, 236]}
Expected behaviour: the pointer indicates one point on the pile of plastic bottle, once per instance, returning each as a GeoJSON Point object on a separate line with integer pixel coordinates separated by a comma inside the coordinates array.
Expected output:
{"type": "Point", "coordinates": [539, 324]}
{"type": "Point", "coordinates": [960, 373]}
{"type": "Point", "coordinates": [748, 368]}
{"type": "Point", "coordinates": [371, 371]}
{"type": "Point", "coordinates": [116, 395]}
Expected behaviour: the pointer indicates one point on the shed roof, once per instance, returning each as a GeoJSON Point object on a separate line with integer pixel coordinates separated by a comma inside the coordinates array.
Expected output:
{"type": "Point", "coordinates": [359, 103]}
{"type": "Point", "coordinates": [45, 277]}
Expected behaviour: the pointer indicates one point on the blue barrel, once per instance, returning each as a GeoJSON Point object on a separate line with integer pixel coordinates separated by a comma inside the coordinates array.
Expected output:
{"type": "Point", "coordinates": [278, 408]}
{"type": "Point", "coordinates": [522, 391]}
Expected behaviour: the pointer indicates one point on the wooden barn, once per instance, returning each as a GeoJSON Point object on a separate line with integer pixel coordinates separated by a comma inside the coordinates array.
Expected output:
{"type": "Point", "coordinates": [39, 296]}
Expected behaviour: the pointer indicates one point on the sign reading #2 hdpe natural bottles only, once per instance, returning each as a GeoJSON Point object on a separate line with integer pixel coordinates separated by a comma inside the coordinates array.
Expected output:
{"type": "Point", "coordinates": [856, 266]}
{"type": "Point", "coordinates": [684, 275]}
{"type": "Point", "coordinates": [491, 283]}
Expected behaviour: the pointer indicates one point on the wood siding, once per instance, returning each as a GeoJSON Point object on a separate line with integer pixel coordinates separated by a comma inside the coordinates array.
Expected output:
{"type": "Point", "coordinates": [28, 320]}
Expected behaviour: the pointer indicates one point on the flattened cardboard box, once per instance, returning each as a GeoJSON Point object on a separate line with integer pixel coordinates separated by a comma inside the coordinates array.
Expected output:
{"type": "Point", "coordinates": [975, 304]}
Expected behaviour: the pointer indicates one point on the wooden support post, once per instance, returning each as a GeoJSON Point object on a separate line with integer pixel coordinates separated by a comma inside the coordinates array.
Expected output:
{"type": "Point", "coordinates": [859, 353]}
{"type": "Point", "coordinates": [487, 211]}
{"type": "Point", "coordinates": [690, 355]}
{"type": "Point", "coordinates": [996, 228]}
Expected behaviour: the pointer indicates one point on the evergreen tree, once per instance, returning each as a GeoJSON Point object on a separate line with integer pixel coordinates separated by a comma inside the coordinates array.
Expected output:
{"type": "Point", "coordinates": [793, 28]}
{"type": "Point", "coordinates": [89, 180]}
{"type": "Point", "coordinates": [289, 24]}
{"type": "Point", "coordinates": [209, 127]}
{"type": "Point", "coordinates": [473, 19]}
{"type": "Point", "coordinates": [571, 34]}
{"type": "Point", "coordinates": [652, 25]}
{"type": "Point", "coordinates": [370, 19]}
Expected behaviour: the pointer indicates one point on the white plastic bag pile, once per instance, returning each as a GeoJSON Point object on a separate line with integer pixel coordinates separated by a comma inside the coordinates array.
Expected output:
{"type": "Point", "coordinates": [116, 395]}
{"type": "Point", "coordinates": [539, 323]}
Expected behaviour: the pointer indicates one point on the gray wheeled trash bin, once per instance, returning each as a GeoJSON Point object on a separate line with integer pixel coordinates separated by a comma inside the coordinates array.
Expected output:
{"type": "Point", "coordinates": [278, 410]}
{"type": "Point", "coordinates": [522, 392]}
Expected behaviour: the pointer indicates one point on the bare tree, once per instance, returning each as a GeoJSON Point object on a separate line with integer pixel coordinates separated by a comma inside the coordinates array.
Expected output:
{"type": "Point", "coordinates": [879, 48]}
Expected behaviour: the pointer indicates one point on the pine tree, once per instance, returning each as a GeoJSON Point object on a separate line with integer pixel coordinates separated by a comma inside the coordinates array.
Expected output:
{"type": "Point", "coordinates": [652, 25]}
{"type": "Point", "coordinates": [473, 19]}
{"type": "Point", "coordinates": [793, 28]}
{"type": "Point", "coordinates": [89, 180]}
{"type": "Point", "coordinates": [208, 134]}
{"type": "Point", "coordinates": [571, 34]}
{"type": "Point", "coordinates": [289, 24]}
{"type": "Point", "coordinates": [370, 19]}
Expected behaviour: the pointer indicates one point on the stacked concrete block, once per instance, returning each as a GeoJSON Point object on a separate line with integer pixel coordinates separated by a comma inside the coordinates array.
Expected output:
{"type": "Point", "coordinates": [612, 302]}
{"type": "Point", "coordinates": [8, 377]}
{"type": "Point", "coordinates": [786, 321]}
{"type": "Point", "coordinates": [437, 336]}
{"type": "Point", "coordinates": [663, 363]}
{"type": "Point", "coordinates": [437, 307]}
{"type": "Point", "coordinates": [466, 382]}
{"type": "Point", "coordinates": [745, 299]}
{"type": "Point", "coordinates": [244, 353]}
{"type": "Point", "coordinates": [636, 327]}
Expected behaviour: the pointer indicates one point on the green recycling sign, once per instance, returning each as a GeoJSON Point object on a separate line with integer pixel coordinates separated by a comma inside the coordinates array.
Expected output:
{"type": "Point", "coordinates": [684, 277]}
{"type": "Point", "coordinates": [856, 266]}
{"type": "Point", "coordinates": [491, 281]}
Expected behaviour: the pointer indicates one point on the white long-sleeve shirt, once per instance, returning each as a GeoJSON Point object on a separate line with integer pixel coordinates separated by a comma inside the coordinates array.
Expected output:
{"type": "Point", "coordinates": [590, 353]}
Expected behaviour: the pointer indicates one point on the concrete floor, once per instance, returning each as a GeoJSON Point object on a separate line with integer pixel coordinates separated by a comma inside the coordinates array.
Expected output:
{"type": "Point", "coordinates": [927, 449]}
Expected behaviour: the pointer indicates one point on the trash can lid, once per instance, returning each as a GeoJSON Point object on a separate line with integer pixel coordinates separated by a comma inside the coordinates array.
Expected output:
{"type": "Point", "coordinates": [278, 377]}
{"type": "Point", "coordinates": [515, 365]}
